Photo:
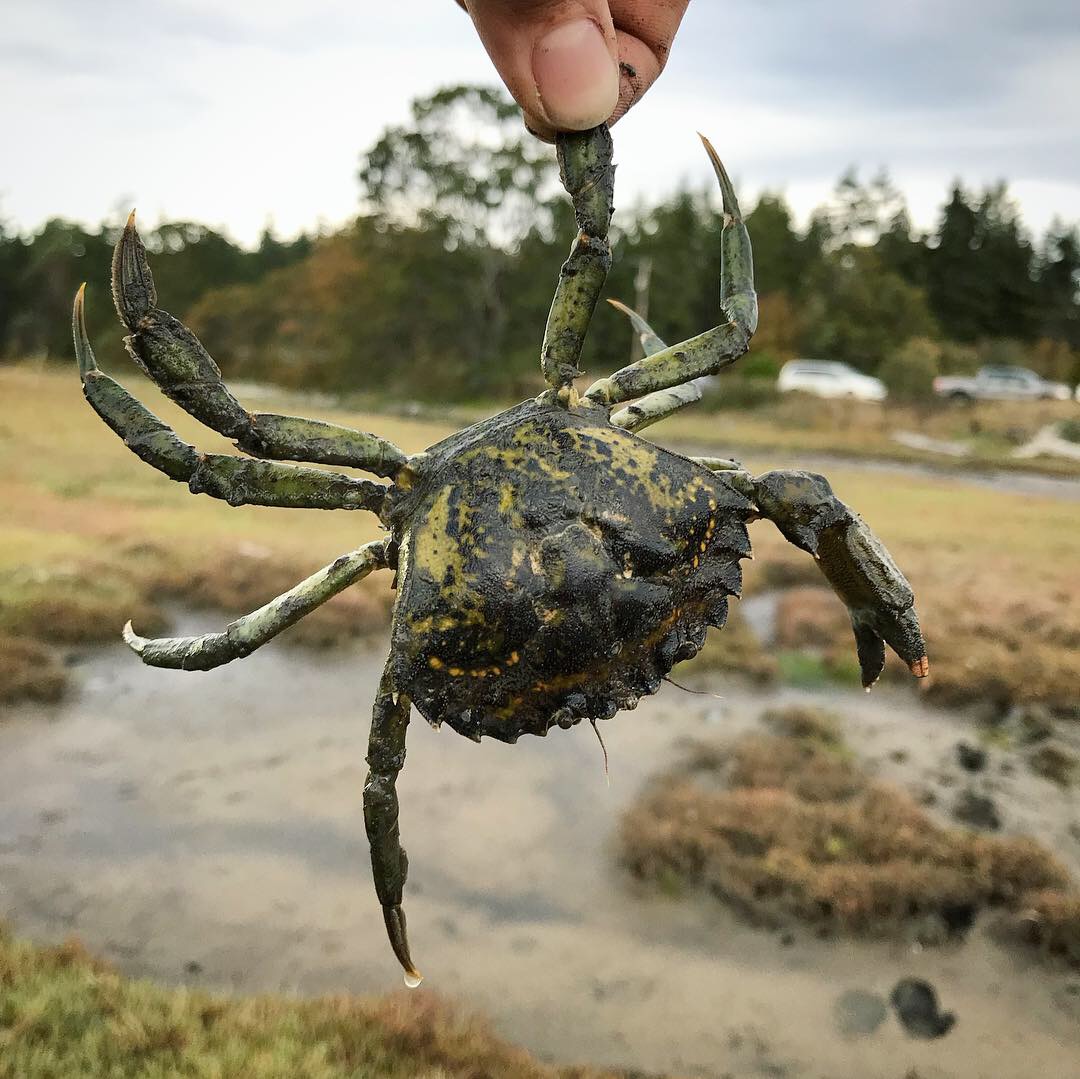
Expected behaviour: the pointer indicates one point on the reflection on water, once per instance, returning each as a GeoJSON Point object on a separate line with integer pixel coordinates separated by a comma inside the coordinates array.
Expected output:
{"type": "Point", "coordinates": [207, 827]}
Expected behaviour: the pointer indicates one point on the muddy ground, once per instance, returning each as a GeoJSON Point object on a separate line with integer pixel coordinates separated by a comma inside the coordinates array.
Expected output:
{"type": "Point", "coordinates": [206, 829]}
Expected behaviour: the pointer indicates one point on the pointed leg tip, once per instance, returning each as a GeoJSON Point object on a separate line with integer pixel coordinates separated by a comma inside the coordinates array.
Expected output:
{"type": "Point", "coordinates": [394, 917]}
{"type": "Point", "coordinates": [727, 188]}
{"type": "Point", "coordinates": [133, 288]}
{"type": "Point", "coordinates": [84, 354]}
{"type": "Point", "coordinates": [132, 639]}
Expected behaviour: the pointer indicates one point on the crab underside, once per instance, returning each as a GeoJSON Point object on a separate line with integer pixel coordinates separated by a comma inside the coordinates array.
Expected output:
{"type": "Point", "coordinates": [551, 565]}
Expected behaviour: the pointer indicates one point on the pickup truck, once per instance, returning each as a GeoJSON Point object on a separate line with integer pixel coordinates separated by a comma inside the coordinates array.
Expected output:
{"type": "Point", "coordinates": [1001, 384]}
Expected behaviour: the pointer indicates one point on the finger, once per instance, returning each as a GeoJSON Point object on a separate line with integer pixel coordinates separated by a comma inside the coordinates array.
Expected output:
{"type": "Point", "coordinates": [644, 30]}
{"type": "Point", "coordinates": [559, 59]}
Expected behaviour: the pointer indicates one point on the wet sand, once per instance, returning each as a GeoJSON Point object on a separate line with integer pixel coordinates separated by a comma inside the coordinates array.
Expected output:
{"type": "Point", "coordinates": [206, 829]}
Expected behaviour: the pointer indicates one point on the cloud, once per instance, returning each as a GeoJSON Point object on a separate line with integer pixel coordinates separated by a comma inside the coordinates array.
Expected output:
{"type": "Point", "coordinates": [237, 113]}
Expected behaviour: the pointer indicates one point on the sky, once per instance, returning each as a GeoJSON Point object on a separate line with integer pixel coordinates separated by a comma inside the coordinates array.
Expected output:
{"type": "Point", "coordinates": [244, 114]}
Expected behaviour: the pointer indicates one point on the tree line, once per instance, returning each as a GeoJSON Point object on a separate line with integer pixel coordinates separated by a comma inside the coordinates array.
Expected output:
{"type": "Point", "coordinates": [439, 287]}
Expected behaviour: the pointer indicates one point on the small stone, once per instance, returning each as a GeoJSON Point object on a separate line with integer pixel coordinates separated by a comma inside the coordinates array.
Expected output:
{"type": "Point", "coordinates": [971, 758]}
{"type": "Point", "coordinates": [977, 811]}
{"type": "Point", "coordinates": [916, 1005]}
{"type": "Point", "coordinates": [858, 1013]}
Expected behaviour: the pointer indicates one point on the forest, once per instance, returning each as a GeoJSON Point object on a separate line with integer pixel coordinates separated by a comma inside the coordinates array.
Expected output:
{"type": "Point", "coordinates": [439, 287]}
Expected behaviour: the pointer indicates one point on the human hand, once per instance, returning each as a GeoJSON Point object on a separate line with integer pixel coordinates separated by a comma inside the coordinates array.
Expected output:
{"type": "Point", "coordinates": [572, 64]}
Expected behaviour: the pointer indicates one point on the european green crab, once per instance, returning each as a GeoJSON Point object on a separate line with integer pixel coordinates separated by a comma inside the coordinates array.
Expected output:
{"type": "Point", "coordinates": [550, 564]}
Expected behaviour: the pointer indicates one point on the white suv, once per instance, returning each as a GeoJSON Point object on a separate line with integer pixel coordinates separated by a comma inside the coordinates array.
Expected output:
{"type": "Point", "coordinates": [826, 378]}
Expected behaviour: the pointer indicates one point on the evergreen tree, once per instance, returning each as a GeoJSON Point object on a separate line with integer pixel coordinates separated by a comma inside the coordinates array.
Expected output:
{"type": "Point", "coordinates": [1006, 263]}
{"type": "Point", "coordinates": [1059, 283]}
{"type": "Point", "coordinates": [781, 256]}
{"type": "Point", "coordinates": [959, 294]}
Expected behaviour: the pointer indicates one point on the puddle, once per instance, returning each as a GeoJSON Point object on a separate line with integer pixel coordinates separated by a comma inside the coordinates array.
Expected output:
{"type": "Point", "coordinates": [207, 829]}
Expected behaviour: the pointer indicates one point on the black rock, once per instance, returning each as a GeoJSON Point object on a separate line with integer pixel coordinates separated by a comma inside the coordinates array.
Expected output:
{"type": "Point", "coordinates": [977, 810]}
{"type": "Point", "coordinates": [916, 1005]}
{"type": "Point", "coordinates": [971, 758]}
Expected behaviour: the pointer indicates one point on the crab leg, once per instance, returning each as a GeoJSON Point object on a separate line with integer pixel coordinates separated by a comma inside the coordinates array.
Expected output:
{"type": "Point", "coordinates": [236, 480]}
{"type": "Point", "coordinates": [242, 637]}
{"type": "Point", "coordinates": [715, 349]}
{"type": "Point", "coordinates": [654, 406]}
{"type": "Point", "coordinates": [175, 359]}
{"type": "Point", "coordinates": [854, 561]}
{"type": "Point", "coordinates": [389, 866]}
{"type": "Point", "coordinates": [589, 178]}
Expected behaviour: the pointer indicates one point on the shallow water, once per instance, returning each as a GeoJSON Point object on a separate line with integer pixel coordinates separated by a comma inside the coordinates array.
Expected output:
{"type": "Point", "coordinates": [207, 829]}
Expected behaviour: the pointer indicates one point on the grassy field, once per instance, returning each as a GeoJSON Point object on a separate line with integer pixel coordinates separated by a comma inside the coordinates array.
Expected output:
{"type": "Point", "coordinates": [63, 1014]}
{"type": "Point", "coordinates": [797, 424]}
{"type": "Point", "coordinates": [92, 536]}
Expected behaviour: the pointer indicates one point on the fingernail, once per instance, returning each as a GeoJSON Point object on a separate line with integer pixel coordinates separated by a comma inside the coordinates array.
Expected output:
{"type": "Point", "coordinates": [576, 77]}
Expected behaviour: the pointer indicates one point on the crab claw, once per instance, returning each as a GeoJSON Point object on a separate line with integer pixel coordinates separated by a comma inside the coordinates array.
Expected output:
{"type": "Point", "coordinates": [854, 561]}
{"type": "Point", "coordinates": [132, 282]}
{"type": "Point", "coordinates": [737, 295]}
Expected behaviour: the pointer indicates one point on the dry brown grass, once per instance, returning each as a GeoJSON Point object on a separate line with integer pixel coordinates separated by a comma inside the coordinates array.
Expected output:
{"type": "Point", "coordinates": [806, 723]}
{"type": "Point", "coordinates": [780, 567]}
{"type": "Point", "coordinates": [241, 578]}
{"type": "Point", "coordinates": [64, 1014]}
{"type": "Point", "coordinates": [29, 671]}
{"type": "Point", "coordinates": [787, 827]}
{"type": "Point", "coordinates": [1051, 923]}
{"type": "Point", "coordinates": [87, 602]}
{"type": "Point", "coordinates": [999, 648]}
{"type": "Point", "coordinates": [810, 617]}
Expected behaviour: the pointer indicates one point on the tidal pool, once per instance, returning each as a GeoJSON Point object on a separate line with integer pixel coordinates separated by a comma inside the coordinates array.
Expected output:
{"type": "Point", "coordinates": [207, 829]}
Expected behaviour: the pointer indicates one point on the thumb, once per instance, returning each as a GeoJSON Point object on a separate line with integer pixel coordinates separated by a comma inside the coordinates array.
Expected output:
{"type": "Point", "coordinates": [559, 58]}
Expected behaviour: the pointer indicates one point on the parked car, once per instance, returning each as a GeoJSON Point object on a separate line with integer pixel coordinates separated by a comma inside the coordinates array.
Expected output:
{"type": "Point", "coordinates": [827, 378]}
{"type": "Point", "coordinates": [1001, 384]}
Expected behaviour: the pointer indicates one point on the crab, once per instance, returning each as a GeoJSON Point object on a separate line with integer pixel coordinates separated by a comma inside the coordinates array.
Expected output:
{"type": "Point", "coordinates": [551, 565]}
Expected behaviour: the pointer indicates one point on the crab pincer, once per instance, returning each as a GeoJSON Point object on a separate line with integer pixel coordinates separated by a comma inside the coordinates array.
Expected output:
{"type": "Point", "coordinates": [854, 561]}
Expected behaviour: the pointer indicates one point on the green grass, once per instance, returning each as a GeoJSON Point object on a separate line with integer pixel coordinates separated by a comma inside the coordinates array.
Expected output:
{"type": "Point", "coordinates": [63, 1016]}
{"type": "Point", "coordinates": [803, 669]}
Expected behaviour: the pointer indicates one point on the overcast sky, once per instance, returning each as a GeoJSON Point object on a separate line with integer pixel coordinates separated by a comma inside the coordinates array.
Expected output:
{"type": "Point", "coordinates": [241, 113]}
